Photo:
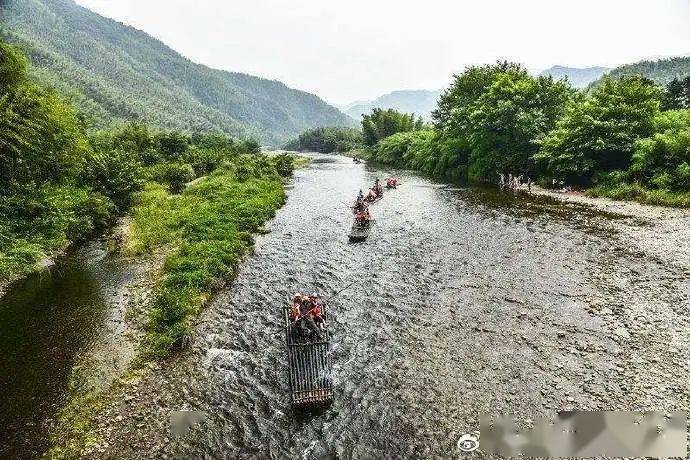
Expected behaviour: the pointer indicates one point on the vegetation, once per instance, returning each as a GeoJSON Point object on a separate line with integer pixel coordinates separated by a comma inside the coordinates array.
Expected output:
{"type": "Point", "coordinates": [597, 133]}
{"type": "Point", "coordinates": [113, 73]}
{"type": "Point", "coordinates": [614, 138]}
{"type": "Point", "coordinates": [206, 229]}
{"type": "Point", "coordinates": [662, 71]}
{"type": "Point", "coordinates": [327, 140]}
{"type": "Point", "coordinates": [380, 124]}
{"type": "Point", "coordinates": [677, 94]}
{"type": "Point", "coordinates": [60, 184]}
{"type": "Point", "coordinates": [46, 200]}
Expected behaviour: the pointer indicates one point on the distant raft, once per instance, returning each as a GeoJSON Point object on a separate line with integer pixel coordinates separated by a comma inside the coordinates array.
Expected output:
{"type": "Point", "coordinates": [309, 363]}
{"type": "Point", "coordinates": [360, 230]}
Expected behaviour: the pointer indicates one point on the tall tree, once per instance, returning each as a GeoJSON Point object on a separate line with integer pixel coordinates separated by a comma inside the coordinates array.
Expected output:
{"type": "Point", "coordinates": [380, 124]}
{"type": "Point", "coordinates": [598, 132]}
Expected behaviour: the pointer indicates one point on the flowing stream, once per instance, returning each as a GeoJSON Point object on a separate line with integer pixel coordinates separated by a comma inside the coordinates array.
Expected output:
{"type": "Point", "coordinates": [465, 301]}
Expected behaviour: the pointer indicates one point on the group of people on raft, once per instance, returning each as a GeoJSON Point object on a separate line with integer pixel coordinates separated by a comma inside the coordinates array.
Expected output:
{"type": "Point", "coordinates": [361, 206]}
{"type": "Point", "coordinates": [306, 314]}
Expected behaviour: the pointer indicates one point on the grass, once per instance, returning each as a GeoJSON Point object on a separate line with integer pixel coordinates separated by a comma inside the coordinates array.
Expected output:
{"type": "Point", "coordinates": [636, 192]}
{"type": "Point", "coordinates": [206, 231]}
{"type": "Point", "coordinates": [38, 223]}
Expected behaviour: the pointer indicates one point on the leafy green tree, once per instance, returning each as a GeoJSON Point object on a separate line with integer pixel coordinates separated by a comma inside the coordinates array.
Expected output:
{"type": "Point", "coordinates": [456, 103]}
{"type": "Point", "coordinates": [41, 139]}
{"type": "Point", "coordinates": [327, 140]}
{"type": "Point", "coordinates": [172, 145]}
{"type": "Point", "coordinates": [509, 118]}
{"type": "Point", "coordinates": [662, 161]}
{"type": "Point", "coordinates": [12, 67]}
{"type": "Point", "coordinates": [381, 123]}
{"type": "Point", "coordinates": [677, 94]}
{"type": "Point", "coordinates": [598, 132]}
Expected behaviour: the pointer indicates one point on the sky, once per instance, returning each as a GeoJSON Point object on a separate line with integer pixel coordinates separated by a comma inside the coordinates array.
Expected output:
{"type": "Point", "coordinates": [353, 50]}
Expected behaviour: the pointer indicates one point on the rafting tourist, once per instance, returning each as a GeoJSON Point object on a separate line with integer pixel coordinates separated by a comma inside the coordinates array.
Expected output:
{"type": "Point", "coordinates": [315, 311]}
{"type": "Point", "coordinates": [391, 183]}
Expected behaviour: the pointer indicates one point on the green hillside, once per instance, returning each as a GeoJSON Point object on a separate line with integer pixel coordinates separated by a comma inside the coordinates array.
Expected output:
{"type": "Point", "coordinates": [114, 72]}
{"type": "Point", "coordinates": [661, 71]}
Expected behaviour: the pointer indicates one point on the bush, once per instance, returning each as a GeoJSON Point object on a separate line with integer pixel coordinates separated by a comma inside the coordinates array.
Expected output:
{"type": "Point", "coordinates": [116, 174]}
{"type": "Point", "coordinates": [173, 175]}
{"type": "Point", "coordinates": [285, 165]}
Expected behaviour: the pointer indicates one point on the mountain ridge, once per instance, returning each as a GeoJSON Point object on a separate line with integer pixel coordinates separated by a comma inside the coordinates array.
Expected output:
{"type": "Point", "coordinates": [115, 72]}
{"type": "Point", "coordinates": [579, 77]}
{"type": "Point", "coordinates": [420, 102]}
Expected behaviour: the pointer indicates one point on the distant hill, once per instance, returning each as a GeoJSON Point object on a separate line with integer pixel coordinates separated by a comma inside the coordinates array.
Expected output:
{"type": "Point", "coordinates": [115, 72]}
{"type": "Point", "coordinates": [419, 102]}
{"type": "Point", "coordinates": [579, 78]}
{"type": "Point", "coordinates": [661, 71]}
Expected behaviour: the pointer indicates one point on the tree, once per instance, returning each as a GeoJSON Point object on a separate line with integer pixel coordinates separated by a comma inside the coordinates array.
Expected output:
{"type": "Point", "coordinates": [327, 140]}
{"type": "Point", "coordinates": [598, 132]}
{"type": "Point", "coordinates": [663, 160]}
{"type": "Point", "coordinates": [509, 118]}
{"type": "Point", "coordinates": [677, 95]}
{"type": "Point", "coordinates": [380, 124]}
{"type": "Point", "coordinates": [12, 67]}
{"type": "Point", "coordinates": [41, 139]}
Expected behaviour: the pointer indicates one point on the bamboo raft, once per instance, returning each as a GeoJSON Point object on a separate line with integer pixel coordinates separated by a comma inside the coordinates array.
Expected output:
{"type": "Point", "coordinates": [360, 232]}
{"type": "Point", "coordinates": [309, 364]}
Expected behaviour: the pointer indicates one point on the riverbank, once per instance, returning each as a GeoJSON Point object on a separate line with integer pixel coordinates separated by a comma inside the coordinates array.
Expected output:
{"type": "Point", "coordinates": [601, 326]}
{"type": "Point", "coordinates": [189, 247]}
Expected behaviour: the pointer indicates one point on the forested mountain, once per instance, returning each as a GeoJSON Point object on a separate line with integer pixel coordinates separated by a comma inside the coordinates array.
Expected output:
{"type": "Point", "coordinates": [579, 78]}
{"type": "Point", "coordinates": [661, 71]}
{"type": "Point", "coordinates": [115, 72]}
{"type": "Point", "coordinates": [419, 102]}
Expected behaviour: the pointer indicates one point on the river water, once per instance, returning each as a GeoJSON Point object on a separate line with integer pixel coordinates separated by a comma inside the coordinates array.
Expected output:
{"type": "Point", "coordinates": [464, 301]}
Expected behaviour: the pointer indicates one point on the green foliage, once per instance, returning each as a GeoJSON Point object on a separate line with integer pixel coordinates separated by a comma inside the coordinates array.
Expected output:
{"type": "Point", "coordinates": [285, 165]}
{"type": "Point", "coordinates": [598, 132]}
{"type": "Point", "coordinates": [12, 67]}
{"type": "Point", "coordinates": [37, 221]}
{"type": "Point", "coordinates": [41, 139]}
{"type": "Point", "coordinates": [114, 73]}
{"type": "Point", "coordinates": [509, 118]}
{"type": "Point", "coordinates": [381, 123]}
{"type": "Point", "coordinates": [173, 175]}
{"type": "Point", "coordinates": [114, 173]}
{"type": "Point", "coordinates": [327, 140]}
{"type": "Point", "coordinates": [662, 161]}
{"type": "Point", "coordinates": [208, 228]}
{"type": "Point", "coordinates": [662, 71]}
{"type": "Point", "coordinates": [677, 94]}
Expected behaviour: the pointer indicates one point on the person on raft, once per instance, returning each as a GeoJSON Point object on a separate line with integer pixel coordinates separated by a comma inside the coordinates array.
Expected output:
{"type": "Point", "coordinates": [360, 206]}
{"type": "Point", "coordinates": [363, 217]}
{"type": "Point", "coordinates": [392, 182]}
{"type": "Point", "coordinates": [377, 187]}
{"type": "Point", "coordinates": [305, 314]}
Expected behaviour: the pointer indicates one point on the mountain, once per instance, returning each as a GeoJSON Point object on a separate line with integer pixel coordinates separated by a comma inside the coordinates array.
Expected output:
{"type": "Point", "coordinates": [114, 72]}
{"type": "Point", "coordinates": [579, 78]}
{"type": "Point", "coordinates": [661, 71]}
{"type": "Point", "coordinates": [419, 102]}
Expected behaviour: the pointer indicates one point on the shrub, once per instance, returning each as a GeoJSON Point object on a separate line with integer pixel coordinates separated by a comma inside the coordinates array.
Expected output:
{"type": "Point", "coordinates": [173, 175]}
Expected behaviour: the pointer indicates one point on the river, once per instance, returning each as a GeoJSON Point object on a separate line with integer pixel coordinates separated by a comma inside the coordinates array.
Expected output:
{"type": "Point", "coordinates": [465, 301]}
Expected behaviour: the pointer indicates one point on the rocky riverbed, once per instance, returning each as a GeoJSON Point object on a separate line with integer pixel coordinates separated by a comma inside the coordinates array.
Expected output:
{"type": "Point", "coordinates": [465, 301]}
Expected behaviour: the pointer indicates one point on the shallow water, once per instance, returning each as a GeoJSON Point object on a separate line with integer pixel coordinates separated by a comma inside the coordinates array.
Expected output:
{"type": "Point", "coordinates": [464, 301]}
{"type": "Point", "coordinates": [458, 297]}
{"type": "Point", "coordinates": [47, 319]}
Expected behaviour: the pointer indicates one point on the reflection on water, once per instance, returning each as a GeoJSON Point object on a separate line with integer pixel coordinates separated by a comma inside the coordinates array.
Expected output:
{"type": "Point", "coordinates": [46, 320]}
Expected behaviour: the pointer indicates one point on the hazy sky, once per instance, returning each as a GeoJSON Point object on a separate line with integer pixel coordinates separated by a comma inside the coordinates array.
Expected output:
{"type": "Point", "coordinates": [359, 49]}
